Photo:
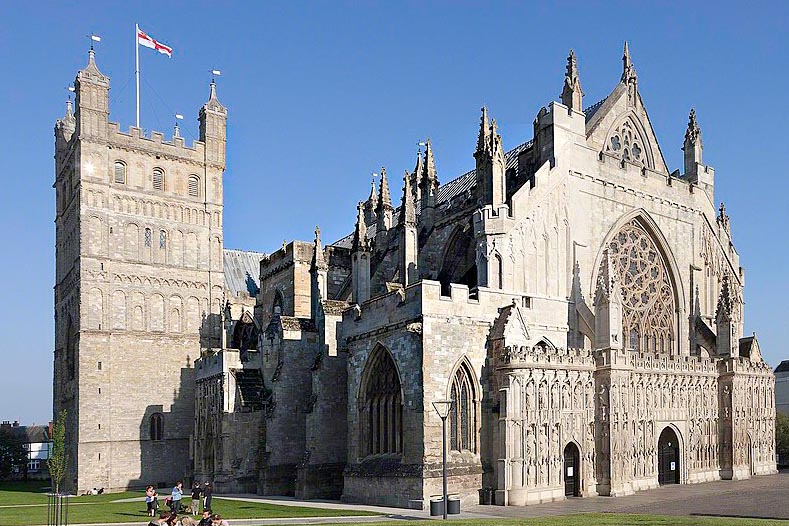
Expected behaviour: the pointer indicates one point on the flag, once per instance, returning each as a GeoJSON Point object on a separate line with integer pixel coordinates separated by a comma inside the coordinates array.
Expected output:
{"type": "Point", "coordinates": [144, 40]}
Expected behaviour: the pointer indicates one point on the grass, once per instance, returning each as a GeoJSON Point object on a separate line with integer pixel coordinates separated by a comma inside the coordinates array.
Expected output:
{"type": "Point", "coordinates": [595, 519]}
{"type": "Point", "coordinates": [26, 505]}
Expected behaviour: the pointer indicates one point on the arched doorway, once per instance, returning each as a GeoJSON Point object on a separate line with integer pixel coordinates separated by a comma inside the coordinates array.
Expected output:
{"type": "Point", "coordinates": [668, 457]}
{"type": "Point", "coordinates": [572, 468]}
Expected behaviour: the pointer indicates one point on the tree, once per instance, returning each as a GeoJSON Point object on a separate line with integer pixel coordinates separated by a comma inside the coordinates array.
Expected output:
{"type": "Point", "coordinates": [13, 456]}
{"type": "Point", "coordinates": [782, 437]}
{"type": "Point", "coordinates": [58, 460]}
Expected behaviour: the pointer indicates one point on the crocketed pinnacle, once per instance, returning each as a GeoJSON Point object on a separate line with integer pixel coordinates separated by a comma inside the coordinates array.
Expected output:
{"type": "Point", "coordinates": [484, 131]}
{"type": "Point", "coordinates": [693, 133]}
{"type": "Point", "coordinates": [628, 70]}
{"type": "Point", "coordinates": [360, 232]}
{"type": "Point", "coordinates": [318, 260]}
{"type": "Point", "coordinates": [429, 175]}
{"type": "Point", "coordinates": [385, 198]}
{"type": "Point", "coordinates": [407, 208]}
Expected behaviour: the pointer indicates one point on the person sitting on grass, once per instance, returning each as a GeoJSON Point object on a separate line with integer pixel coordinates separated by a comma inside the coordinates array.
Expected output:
{"type": "Point", "coordinates": [218, 520]}
{"type": "Point", "coordinates": [206, 519]}
{"type": "Point", "coordinates": [161, 521]}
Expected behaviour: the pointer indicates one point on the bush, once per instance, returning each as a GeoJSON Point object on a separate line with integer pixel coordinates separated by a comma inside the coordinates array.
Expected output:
{"type": "Point", "coordinates": [782, 438]}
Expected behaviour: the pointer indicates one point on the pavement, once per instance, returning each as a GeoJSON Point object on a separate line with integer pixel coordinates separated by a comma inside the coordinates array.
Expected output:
{"type": "Point", "coordinates": [760, 497]}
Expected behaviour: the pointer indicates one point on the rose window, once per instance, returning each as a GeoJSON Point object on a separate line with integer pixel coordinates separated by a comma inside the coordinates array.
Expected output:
{"type": "Point", "coordinates": [648, 311]}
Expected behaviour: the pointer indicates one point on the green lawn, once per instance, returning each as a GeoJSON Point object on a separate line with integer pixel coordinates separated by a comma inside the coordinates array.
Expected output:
{"type": "Point", "coordinates": [26, 505]}
{"type": "Point", "coordinates": [595, 519]}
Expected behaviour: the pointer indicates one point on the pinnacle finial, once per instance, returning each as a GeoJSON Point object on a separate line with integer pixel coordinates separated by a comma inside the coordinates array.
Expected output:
{"type": "Point", "coordinates": [212, 93]}
{"type": "Point", "coordinates": [430, 165]}
{"type": "Point", "coordinates": [572, 94]}
{"type": "Point", "coordinates": [176, 130]}
{"type": "Point", "coordinates": [693, 130]}
{"type": "Point", "coordinates": [407, 207]}
{"type": "Point", "coordinates": [360, 232]}
{"type": "Point", "coordinates": [317, 235]}
{"type": "Point", "coordinates": [628, 70]}
{"type": "Point", "coordinates": [484, 130]}
{"type": "Point", "coordinates": [572, 66]}
{"type": "Point", "coordinates": [385, 198]}
{"type": "Point", "coordinates": [69, 109]}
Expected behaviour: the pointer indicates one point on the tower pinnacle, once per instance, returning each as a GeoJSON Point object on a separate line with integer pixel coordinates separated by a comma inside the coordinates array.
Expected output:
{"type": "Point", "coordinates": [572, 93]}
{"type": "Point", "coordinates": [692, 146]}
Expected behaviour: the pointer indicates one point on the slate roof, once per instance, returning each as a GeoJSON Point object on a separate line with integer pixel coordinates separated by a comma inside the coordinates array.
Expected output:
{"type": "Point", "coordinates": [591, 110]}
{"type": "Point", "coordinates": [242, 271]}
{"type": "Point", "coordinates": [32, 434]}
{"type": "Point", "coordinates": [783, 367]}
{"type": "Point", "coordinates": [455, 187]}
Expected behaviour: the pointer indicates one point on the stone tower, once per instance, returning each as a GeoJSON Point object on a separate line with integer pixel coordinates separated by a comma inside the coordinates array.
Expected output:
{"type": "Point", "coordinates": [139, 285]}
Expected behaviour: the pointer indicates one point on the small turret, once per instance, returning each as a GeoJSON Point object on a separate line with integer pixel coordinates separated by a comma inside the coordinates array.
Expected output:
{"type": "Point", "coordinates": [213, 128]}
{"type": "Point", "coordinates": [319, 270]}
{"type": "Point", "coordinates": [572, 94]}
{"type": "Point", "coordinates": [408, 236]}
{"type": "Point", "coordinates": [608, 307]}
{"type": "Point", "coordinates": [692, 145]}
{"type": "Point", "coordinates": [428, 186]}
{"type": "Point", "coordinates": [383, 212]}
{"type": "Point", "coordinates": [360, 259]}
{"type": "Point", "coordinates": [371, 204]}
{"type": "Point", "coordinates": [726, 320]}
{"type": "Point", "coordinates": [92, 100]}
{"type": "Point", "coordinates": [491, 165]}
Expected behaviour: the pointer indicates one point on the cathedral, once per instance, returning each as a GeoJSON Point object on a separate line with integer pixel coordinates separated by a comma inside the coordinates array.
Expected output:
{"type": "Point", "coordinates": [578, 301]}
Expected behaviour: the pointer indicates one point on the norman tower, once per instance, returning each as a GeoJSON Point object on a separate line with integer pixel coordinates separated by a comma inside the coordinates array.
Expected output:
{"type": "Point", "coordinates": [138, 288]}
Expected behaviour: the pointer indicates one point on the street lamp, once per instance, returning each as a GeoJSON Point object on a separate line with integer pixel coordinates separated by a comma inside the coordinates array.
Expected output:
{"type": "Point", "coordinates": [443, 407]}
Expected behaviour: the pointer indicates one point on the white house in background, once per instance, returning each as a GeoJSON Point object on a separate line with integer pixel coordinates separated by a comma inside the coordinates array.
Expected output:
{"type": "Point", "coordinates": [782, 387]}
{"type": "Point", "coordinates": [38, 444]}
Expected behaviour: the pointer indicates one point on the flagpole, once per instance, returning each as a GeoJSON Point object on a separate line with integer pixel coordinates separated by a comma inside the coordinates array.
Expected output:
{"type": "Point", "coordinates": [137, 67]}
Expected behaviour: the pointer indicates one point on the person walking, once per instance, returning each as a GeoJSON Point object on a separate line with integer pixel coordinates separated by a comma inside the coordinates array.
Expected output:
{"type": "Point", "coordinates": [176, 496]}
{"type": "Point", "coordinates": [196, 493]}
{"type": "Point", "coordinates": [208, 491]}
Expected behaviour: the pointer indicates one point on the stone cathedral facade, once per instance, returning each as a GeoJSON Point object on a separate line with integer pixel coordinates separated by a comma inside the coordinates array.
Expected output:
{"type": "Point", "coordinates": [579, 301]}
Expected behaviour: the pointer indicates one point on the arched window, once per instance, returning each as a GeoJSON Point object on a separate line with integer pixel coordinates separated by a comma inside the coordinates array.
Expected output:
{"type": "Point", "coordinates": [648, 305]}
{"type": "Point", "coordinates": [158, 179]}
{"type": "Point", "coordinates": [120, 172]}
{"type": "Point", "coordinates": [148, 237]}
{"type": "Point", "coordinates": [463, 415]}
{"type": "Point", "coordinates": [460, 261]}
{"type": "Point", "coordinates": [279, 302]}
{"type": "Point", "coordinates": [194, 186]}
{"type": "Point", "coordinates": [162, 239]}
{"type": "Point", "coordinates": [157, 429]}
{"type": "Point", "coordinates": [381, 406]}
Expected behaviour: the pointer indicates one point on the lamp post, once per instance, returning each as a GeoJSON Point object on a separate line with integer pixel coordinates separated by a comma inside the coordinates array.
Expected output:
{"type": "Point", "coordinates": [443, 407]}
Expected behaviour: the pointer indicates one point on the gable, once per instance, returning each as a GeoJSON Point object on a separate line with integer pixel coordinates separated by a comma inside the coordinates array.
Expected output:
{"type": "Point", "coordinates": [619, 126]}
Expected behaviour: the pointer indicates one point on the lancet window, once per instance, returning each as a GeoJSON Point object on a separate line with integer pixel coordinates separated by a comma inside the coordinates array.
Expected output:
{"type": "Point", "coordinates": [381, 406]}
{"type": "Point", "coordinates": [648, 303]}
{"type": "Point", "coordinates": [463, 415]}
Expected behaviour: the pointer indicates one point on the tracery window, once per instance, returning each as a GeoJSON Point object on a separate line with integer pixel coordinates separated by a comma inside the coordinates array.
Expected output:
{"type": "Point", "coordinates": [463, 415]}
{"type": "Point", "coordinates": [148, 237]}
{"type": "Point", "coordinates": [626, 142]}
{"type": "Point", "coordinates": [647, 292]}
{"type": "Point", "coordinates": [381, 406]}
{"type": "Point", "coordinates": [162, 239]}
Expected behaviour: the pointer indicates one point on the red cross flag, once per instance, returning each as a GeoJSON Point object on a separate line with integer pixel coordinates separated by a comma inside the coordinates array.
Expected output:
{"type": "Point", "coordinates": [144, 40]}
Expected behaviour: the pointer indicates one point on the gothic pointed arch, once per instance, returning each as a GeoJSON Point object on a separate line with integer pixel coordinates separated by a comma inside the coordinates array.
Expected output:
{"type": "Point", "coordinates": [463, 419]}
{"type": "Point", "coordinates": [648, 277]}
{"type": "Point", "coordinates": [627, 139]}
{"type": "Point", "coordinates": [380, 405]}
{"type": "Point", "coordinates": [459, 262]}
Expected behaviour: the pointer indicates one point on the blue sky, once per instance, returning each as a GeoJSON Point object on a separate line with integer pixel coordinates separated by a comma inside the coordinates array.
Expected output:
{"type": "Point", "coordinates": [321, 94]}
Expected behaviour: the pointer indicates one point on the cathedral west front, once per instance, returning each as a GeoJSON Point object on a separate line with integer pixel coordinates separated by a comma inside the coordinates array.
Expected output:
{"type": "Point", "coordinates": [580, 302]}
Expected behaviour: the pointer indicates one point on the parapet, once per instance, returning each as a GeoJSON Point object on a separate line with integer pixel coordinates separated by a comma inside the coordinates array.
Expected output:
{"type": "Point", "coordinates": [135, 140]}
